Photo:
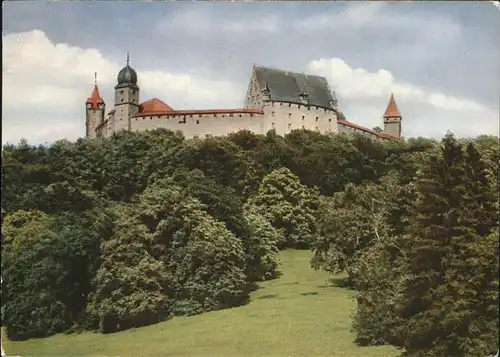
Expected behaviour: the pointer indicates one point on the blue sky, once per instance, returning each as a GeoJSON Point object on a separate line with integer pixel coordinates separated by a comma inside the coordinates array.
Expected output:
{"type": "Point", "coordinates": [441, 60]}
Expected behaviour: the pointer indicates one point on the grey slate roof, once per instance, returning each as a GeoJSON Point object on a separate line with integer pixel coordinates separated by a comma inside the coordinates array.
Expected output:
{"type": "Point", "coordinates": [287, 86]}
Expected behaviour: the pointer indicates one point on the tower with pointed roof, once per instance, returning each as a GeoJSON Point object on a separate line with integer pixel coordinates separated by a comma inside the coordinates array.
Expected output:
{"type": "Point", "coordinates": [392, 119]}
{"type": "Point", "coordinates": [126, 98]}
{"type": "Point", "coordinates": [95, 110]}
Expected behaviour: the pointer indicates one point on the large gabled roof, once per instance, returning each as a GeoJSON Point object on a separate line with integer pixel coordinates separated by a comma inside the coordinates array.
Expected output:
{"type": "Point", "coordinates": [287, 86]}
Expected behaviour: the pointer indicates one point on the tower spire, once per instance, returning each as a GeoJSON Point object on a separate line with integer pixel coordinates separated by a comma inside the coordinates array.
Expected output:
{"type": "Point", "coordinates": [392, 109]}
{"type": "Point", "coordinates": [128, 58]}
{"type": "Point", "coordinates": [95, 78]}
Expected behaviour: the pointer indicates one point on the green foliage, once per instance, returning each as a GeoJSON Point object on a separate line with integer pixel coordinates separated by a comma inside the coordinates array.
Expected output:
{"type": "Point", "coordinates": [450, 293]}
{"type": "Point", "coordinates": [288, 205]}
{"type": "Point", "coordinates": [381, 274]}
{"type": "Point", "coordinates": [221, 160]}
{"type": "Point", "coordinates": [129, 283]}
{"type": "Point", "coordinates": [47, 264]}
{"type": "Point", "coordinates": [351, 221]}
{"type": "Point", "coordinates": [261, 248]}
{"type": "Point", "coordinates": [126, 231]}
{"type": "Point", "coordinates": [205, 262]}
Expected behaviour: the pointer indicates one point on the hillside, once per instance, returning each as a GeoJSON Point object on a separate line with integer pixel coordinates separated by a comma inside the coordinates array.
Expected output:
{"type": "Point", "coordinates": [302, 313]}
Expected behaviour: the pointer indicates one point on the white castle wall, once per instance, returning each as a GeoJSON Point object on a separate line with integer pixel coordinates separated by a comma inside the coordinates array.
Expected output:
{"type": "Point", "coordinates": [285, 117]}
{"type": "Point", "coordinates": [280, 116]}
{"type": "Point", "coordinates": [202, 124]}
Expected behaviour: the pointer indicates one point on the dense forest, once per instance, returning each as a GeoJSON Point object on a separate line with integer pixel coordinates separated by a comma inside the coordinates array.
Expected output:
{"type": "Point", "coordinates": [127, 231]}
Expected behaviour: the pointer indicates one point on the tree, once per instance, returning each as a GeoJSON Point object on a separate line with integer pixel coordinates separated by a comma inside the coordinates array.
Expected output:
{"type": "Point", "coordinates": [353, 220]}
{"type": "Point", "coordinates": [129, 285]}
{"type": "Point", "coordinates": [261, 247]}
{"type": "Point", "coordinates": [449, 293]}
{"type": "Point", "coordinates": [288, 205]}
{"type": "Point", "coordinates": [381, 274]}
{"type": "Point", "coordinates": [33, 284]}
{"type": "Point", "coordinates": [205, 262]}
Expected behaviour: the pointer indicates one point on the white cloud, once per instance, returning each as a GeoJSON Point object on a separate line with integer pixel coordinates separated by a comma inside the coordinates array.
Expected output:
{"type": "Point", "coordinates": [425, 112]}
{"type": "Point", "coordinates": [46, 85]}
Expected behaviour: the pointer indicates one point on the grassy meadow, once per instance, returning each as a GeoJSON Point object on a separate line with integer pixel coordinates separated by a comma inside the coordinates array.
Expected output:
{"type": "Point", "coordinates": [302, 313]}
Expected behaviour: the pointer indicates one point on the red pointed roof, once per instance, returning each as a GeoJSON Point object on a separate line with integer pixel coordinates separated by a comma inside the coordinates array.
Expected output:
{"type": "Point", "coordinates": [95, 99]}
{"type": "Point", "coordinates": [155, 107]}
{"type": "Point", "coordinates": [392, 109]}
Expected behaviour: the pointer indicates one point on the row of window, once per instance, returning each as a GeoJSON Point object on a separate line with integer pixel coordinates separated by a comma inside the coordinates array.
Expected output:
{"type": "Point", "coordinates": [300, 105]}
{"type": "Point", "coordinates": [133, 91]}
{"type": "Point", "coordinates": [303, 117]}
{"type": "Point", "coordinates": [188, 116]}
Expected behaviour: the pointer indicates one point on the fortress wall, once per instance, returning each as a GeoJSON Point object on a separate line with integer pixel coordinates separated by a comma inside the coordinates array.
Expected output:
{"type": "Point", "coordinates": [351, 130]}
{"type": "Point", "coordinates": [200, 124]}
{"type": "Point", "coordinates": [285, 117]}
{"type": "Point", "coordinates": [119, 122]}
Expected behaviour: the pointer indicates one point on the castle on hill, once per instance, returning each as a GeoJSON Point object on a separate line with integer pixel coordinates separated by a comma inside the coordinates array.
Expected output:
{"type": "Point", "coordinates": [275, 99]}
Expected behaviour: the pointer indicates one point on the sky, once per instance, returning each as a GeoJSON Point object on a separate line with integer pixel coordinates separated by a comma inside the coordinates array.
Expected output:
{"type": "Point", "coordinates": [440, 59]}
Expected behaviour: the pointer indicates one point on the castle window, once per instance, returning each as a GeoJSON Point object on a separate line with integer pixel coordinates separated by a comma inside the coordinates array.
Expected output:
{"type": "Point", "coordinates": [303, 127]}
{"type": "Point", "coordinates": [317, 118]}
{"type": "Point", "coordinates": [133, 91]}
{"type": "Point", "coordinates": [121, 100]}
{"type": "Point", "coordinates": [272, 114]}
{"type": "Point", "coordinates": [303, 117]}
{"type": "Point", "coordinates": [289, 105]}
{"type": "Point", "coordinates": [215, 115]}
{"type": "Point", "coordinates": [272, 125]}
{"type": "Point", "coordinates": [197, 121]}
{"type": "Point", "coordinates": [289, 115]}
{"type": "Point", "coordinates": [289, 126]}
{"type": "Point", "coordinates": [330, 120]}
{"type": "Point", "coordinates": [121, 92]}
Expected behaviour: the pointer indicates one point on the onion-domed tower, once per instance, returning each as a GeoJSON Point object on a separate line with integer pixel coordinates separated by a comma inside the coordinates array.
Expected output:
{"type": "Point", "coordinates": [126, 97]}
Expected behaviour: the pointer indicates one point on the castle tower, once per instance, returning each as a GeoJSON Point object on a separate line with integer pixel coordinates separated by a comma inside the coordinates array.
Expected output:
{"type": "Point", "coordinates": [392, 119]}
{"type": "Point", "coordinates": [95, 108]}
{"type": "Point", "coordinates": [126, 97]}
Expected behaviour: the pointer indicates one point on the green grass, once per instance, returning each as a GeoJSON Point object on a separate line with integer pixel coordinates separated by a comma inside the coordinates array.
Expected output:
{"type": "Point", "coordinates": [300, 314]}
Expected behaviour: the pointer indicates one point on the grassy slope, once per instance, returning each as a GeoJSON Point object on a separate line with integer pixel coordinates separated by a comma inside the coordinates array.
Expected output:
{"type": "Point", "coordinates": [299, 314]}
